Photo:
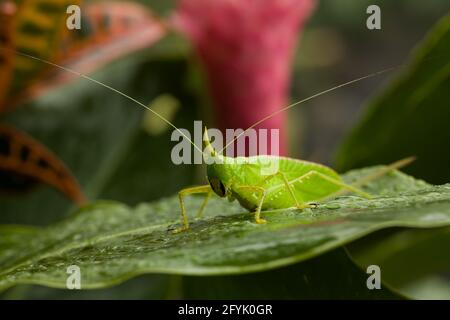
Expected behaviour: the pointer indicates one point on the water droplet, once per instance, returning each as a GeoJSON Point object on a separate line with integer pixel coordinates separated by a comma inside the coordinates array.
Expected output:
{"type": "Point", "coordinates": [435, 217]}
{"type": "Point", "coordinates": [333, 206]}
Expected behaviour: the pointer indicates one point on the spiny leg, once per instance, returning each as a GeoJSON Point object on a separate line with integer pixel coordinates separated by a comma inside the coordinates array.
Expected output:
{"type": "Point", "coordinates": [376, 175]}
{"type": "Point", "coordinates": [383, 171]}
{"type": "Point", "coordinates": [287, 183]}
{"type": "Point", "coordinates": [333, 181]}
{"type": "Point", "coordinates": [181, 195]}
{"type": "Point", "coordinates": [262, 192]}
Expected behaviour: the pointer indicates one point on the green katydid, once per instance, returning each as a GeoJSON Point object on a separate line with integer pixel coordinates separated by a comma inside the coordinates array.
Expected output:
{"type": "Point", "coordinates": [296, 183]}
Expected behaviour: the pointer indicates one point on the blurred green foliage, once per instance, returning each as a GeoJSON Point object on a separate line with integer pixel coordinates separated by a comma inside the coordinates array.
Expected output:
{"type": "Point", "coordinates": [410, 117]}
{"type": "Point", "coordinates": [100, 136]}
{"type": "Point", "coordinates": [336, 47]}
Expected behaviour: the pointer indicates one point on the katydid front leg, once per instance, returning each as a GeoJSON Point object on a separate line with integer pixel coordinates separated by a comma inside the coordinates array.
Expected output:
{"type": "Point", "coordinates": [188, 191]}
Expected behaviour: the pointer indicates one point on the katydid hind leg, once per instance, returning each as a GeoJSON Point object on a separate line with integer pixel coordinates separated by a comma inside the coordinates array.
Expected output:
{"type": "Point", "coordinates": [298, 204]}
{"type": "Point", "coordinates": [378, 174]}
{"type": "Point", "coordinates": [383, 171]}
{"type": "Point", "coordinates": [338, 183]}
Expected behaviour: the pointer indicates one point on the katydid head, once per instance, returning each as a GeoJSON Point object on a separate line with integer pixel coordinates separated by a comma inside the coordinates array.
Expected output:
{"type": "Point", "coordinates": [215, 169]}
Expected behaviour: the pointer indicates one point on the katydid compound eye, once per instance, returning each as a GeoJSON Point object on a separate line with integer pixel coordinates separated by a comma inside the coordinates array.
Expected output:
{"type": "Point", "coordinates": [217, 187]}
{"type": "Point", "coordinates": [222, 188]}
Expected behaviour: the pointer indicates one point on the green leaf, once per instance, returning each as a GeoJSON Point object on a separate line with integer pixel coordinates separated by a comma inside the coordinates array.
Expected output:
{"type": "Point", "coordinates": [431, 288]}
{"type": "Point", "coordinates": [394, 250]}
{"type": "Point", "coordinates": [330, 276]}
{"type": "Point", "coordinates": [411, 260]}
{"type": "Point", "coordinates": [150, 286]}
{"type": "Point", "coordinates": [112, 242]}
{"type": "Point", "coordinates": [410, 117]}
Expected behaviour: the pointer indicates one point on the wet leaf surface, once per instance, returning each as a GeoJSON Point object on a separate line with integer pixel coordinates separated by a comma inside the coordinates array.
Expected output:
{"type": "Point", "coordinates": [112, 242]}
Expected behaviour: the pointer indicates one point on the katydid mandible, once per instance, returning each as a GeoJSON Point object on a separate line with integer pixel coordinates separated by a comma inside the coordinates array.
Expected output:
{"type": "Point", "coordinates": [296, 183]}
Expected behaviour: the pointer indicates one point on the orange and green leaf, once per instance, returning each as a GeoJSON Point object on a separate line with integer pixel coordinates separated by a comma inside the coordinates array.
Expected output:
{"type": "Point", "coordinates": [110, 30]}
{"type": "Point", "coordinates": [7, 19]}
{"type": "Point", "coordinates": [24, 161]}
{"type": "Point", "coordinates": [38, 30]}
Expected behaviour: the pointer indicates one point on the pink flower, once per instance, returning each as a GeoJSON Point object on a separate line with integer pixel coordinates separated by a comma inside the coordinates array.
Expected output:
{"type": "Point", "coordinates": [246, 48]}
